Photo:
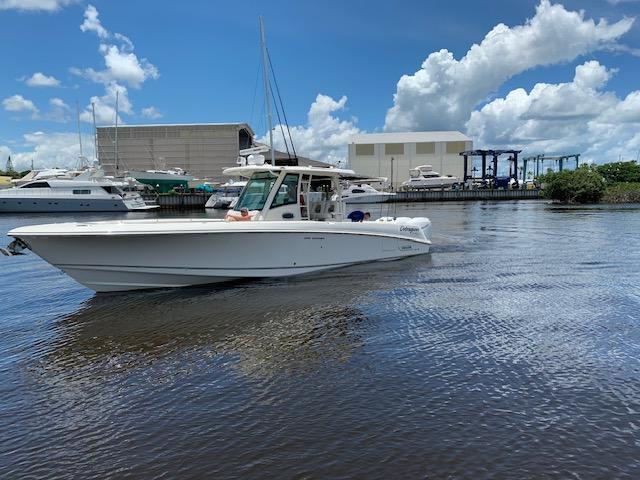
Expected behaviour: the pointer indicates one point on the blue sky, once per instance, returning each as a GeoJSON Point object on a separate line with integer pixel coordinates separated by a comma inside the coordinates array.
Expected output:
{"type": "Point", "coordinates": [552, 79]}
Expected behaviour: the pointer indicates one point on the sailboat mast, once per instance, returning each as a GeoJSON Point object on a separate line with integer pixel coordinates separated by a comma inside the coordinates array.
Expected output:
{"type": "Point", "coordinates": [116, 146]}
{"type": "Point", "coordinates": [267, 89]}
{"type": "Point", "coordinates": [79, 134]}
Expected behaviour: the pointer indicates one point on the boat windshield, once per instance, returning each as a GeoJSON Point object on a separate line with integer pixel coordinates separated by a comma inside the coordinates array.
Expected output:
{"type": "Point", "coordinates": [256, 191]}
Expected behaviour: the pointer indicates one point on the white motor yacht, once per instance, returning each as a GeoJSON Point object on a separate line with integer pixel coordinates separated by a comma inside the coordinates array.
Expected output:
{"type": "Point", "coordinates": [82, 194]}
{"type": "Point", "coordinates": [46, 174]}
{"type": "Point", "coordinates": [296, 224]}
{"type": "Point", "coordinates": [424, 177]}
{"type": "Point", "coordinates": [362, 192]}
{"type": "Point", "coordinates": [225, 195]}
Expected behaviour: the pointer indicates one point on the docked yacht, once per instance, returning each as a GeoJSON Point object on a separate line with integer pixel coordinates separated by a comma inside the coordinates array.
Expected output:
{"type": "Point", "coordinates": [296, 224]}
{"type": "Point", "coordinates": [82, 194]}
{"type": "Point", "coordinates": [362, 192]}
{"type": "Point", "coordinates": [424, 177]}
{"type": "Point", "coordinates": [226, 194]}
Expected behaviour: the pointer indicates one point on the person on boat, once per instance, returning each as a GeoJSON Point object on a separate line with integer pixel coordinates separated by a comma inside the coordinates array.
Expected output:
{"type": "Point", "coordinates": [367, 216]}
{"type": "Point", "coordinates": [234, 217]}
{"type": "Point", "coordinates": [357, 216]}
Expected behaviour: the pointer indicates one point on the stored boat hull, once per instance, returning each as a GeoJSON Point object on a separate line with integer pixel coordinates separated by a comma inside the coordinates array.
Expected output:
{"type": "Point", "coordinates": [130, 260]}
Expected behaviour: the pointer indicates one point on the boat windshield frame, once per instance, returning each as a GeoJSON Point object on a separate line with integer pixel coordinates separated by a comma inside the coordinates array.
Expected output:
{"type": "Point", "coordinates": [265, 180]}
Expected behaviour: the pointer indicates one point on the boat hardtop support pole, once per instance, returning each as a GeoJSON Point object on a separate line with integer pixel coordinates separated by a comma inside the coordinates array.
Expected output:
{"type": "Point", "coordinates": [95, 131]}
{"type": "Point", "coordinates": [267, 89]}
{"type": "Point", "coordinates": [116, 146]}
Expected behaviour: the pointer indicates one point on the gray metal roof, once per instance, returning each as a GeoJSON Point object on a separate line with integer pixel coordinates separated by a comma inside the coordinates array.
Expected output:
{"type": "Point", "coordinates": [158, 125]}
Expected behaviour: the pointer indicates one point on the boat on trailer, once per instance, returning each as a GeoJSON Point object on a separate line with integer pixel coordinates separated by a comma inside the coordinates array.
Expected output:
{"type": "Point", "coordinates": [296, 225]}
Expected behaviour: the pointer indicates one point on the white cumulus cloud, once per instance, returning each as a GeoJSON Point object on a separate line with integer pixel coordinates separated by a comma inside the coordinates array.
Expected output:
{"type": "Point", "coordinates": [58, 149]}
{"type": "Point", "coordinates": [122, 68]}
{"type": "Point", "coordinates": [325, 136]}
{"type": "Point", "coordinates": [105, 105]}
{"type": "Point", "coordinates": [39, 79]}
{"type": "Point", "coordinates": [444, 92]}
{"type": "Point", "coordinates": [17, 103]}
{"type": "Point", "coordinates": [59, 111]}
{"type": "Point", "coordinates": [92, 22]}
{"type": "Point", "coordinates": [151, 112]}
{"type": "Point", "coordinates": [574, 117]}
{"type": "Point", "coordinates": [34, 5]}
{"type": "Point", "coordinates": [122, 64]}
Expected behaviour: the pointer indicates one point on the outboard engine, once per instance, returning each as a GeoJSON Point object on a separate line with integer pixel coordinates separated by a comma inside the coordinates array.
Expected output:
{"type": "Point", "coordinates": [14, 248]}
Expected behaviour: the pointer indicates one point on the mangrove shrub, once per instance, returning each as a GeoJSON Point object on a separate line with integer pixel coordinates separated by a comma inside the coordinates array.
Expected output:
{"type": "Point", "coordinates": [584, 185]}
{"type": "Point", "coordinates": [620, 172]}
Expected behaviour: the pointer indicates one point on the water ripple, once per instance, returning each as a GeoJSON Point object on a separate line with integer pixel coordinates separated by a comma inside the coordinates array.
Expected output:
{"type": "Point", "coordinates": [512, 351]}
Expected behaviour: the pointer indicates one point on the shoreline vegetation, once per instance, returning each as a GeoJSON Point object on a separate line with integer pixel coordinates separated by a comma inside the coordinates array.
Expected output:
{"type": "Point", "coordinates": [617, 182]}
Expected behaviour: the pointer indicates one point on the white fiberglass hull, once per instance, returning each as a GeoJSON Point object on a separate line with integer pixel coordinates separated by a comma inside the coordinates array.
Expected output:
{"type": "Point", "coordinates": [178, 253]}
{"type": "Point", "coordinates": [422, 184]}
{"type": "Point", "coordinates": [57, 204]}
{"type": "Point", "coordinates": [368, 198]}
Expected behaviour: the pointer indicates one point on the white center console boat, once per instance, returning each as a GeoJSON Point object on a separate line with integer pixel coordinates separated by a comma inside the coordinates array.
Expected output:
{"type": "Point", "coordinates": [362, 192]}
{"type": "Point", "coordinates": [296, 224]}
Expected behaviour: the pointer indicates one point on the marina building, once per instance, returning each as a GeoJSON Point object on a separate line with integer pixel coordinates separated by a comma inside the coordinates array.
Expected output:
{"type": "Point", "coordinates": [203, 149]}
{"type": "Point", "coordinates": [371, 154]}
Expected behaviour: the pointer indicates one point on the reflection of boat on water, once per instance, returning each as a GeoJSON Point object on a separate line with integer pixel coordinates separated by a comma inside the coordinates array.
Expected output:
{"type": "Point", "coordinates": [362, 192]}
{"type": "Point", "coordinates": [424, 177]}
{"type": "Point", "coordinates": [265, 327]}
{"type": "Point", "coordinates": [225, 195]}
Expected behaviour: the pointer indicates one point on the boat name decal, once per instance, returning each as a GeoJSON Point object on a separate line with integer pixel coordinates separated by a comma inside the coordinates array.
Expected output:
{"type": "Point", "coordinates": [409, 229]}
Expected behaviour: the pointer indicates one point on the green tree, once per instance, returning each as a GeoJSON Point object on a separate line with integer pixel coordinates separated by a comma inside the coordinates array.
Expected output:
{"type": "Point", "coordinates": [584, 185]}
{"type": "Point", "coordinates": [620, 172]}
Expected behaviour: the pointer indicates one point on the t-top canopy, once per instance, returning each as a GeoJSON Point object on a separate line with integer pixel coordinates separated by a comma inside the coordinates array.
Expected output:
{"type": "Point", "coordinates": [248, 170]}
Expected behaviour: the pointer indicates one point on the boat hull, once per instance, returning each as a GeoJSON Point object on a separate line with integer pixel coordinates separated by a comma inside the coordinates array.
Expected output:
{"type": "Point", "coordinates": [108, 263]}
{"type": "Point", "coordinates": [372, 198]}
{"type": "Point", "coordinates": [60, 205]}
{"type": "Point", "coordinates": [428, 184]}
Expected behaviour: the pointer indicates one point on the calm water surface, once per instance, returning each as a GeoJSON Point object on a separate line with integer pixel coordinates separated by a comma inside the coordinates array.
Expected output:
{"type": "Point", "coordinates": [511, 351]}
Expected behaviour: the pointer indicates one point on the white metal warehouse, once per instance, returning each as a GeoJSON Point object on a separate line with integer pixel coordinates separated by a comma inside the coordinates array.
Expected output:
{"type": "Point", "coordinates": [370, 154]}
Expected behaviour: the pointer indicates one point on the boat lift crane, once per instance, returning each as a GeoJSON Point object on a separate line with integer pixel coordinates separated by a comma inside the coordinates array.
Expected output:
{"type": "Point", "coordinates": [559, 159]}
